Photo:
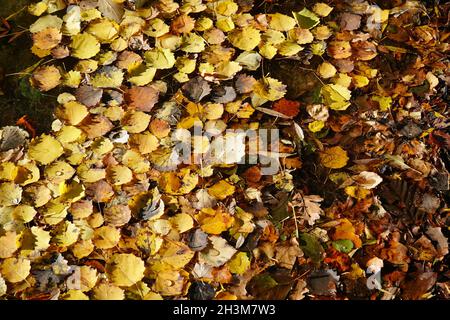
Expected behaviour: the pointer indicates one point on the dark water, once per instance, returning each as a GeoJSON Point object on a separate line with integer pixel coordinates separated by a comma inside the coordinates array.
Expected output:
{"type": "Point", "coordinates": [17, 98]}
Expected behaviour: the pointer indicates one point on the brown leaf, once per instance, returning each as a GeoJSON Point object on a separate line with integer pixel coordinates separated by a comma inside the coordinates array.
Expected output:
{"type": "Point", "coordinates": [196, 89]}
{"type": "Point", "coordinates": [100, 191]}
{"type": "Point", "coordinates": [88, 95]}
{"type": "Point", "coordinates": [96, 126]}
{"type": "Point", "coordinates": [142, 98]}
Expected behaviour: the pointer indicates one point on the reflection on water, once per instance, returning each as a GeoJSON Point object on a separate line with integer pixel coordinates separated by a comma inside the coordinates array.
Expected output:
{"type": "Point", "coordinates": [17, 98]}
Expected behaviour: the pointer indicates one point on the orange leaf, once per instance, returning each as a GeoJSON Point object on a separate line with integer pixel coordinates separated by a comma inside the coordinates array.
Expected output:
{"type": "Point", "coordinates": [289, 108]}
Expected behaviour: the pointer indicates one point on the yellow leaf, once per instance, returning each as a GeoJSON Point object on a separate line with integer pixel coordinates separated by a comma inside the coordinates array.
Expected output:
{"type": "Point", "coordinates": [360, 81]}
{"type": "Point", "coordinates": [221, 190]}
{"type": "Point", "coordinates": [82, 249]}
{"type": "Point", "coordinates": [169, 283]}
{"type": "Point", "coordinates": [316, 126]}
{"type": "Point", "coordinates": [124, 270]}
{"type": "Point", "coordinates": [239, 263]}
{"type": "Point", "coordinates": [45, 149]}
{"type": "Point", "coordinates": [108, 291]}
{"type": "Point", "coordinates": [384, 102]}
{"type": "Point", "coordinates": [8, 171]}
{"type": "Point", "coordinates": [182, 222]}
{"type": "Point", "coordinates": [214, 221]}
{"type": "Point", "coordinates": [270, 89]}
{"type": "Point", "coordinates": [336, 96]}
{"type": "Point", "coordinates": [108, 77]}
{"type": "Point", "coordinates": [74, 295]}
{"type": "Point", "coordinates": [245, 39]}
{"type": "Point", "coordinates": [326, 70]}
{"type": "Point", "coordinates": [48, 21]}
{"type": "Point", "coordinates": [334, 158]}
{"type": "Point", "coordinates": [106, 237]}
{"type": "Point", "coordinates": [172, 256]}
{"type": "Point", "coordinates": [119, 175]}
{"type": "Point", "coordinates": [135, 121]}
{"type": "Point", "coordinates": [281, 22]}
{"type": "Point", "coordinates": [104, 30]}
{"type": "Point", "coordinates": [357, 192]}
{"type": "Point", "coordinates": [8, 245]}
{"type": "Point", "coordinates": [46, 78]}
{"type": "Point", "coordinates": [68, 236]}
{"type": "Point", "coordinates": [24, 213]}
{"type": "Point", "coordinates": [10, 194]}
{"type": "Point", "coordinates": [160, 58]}
{"type": "Point", "coordinates": [41, 238]}
{"type": "Point", "coordinates": [55, 212]}
{"type": "Point", "coordinates": [84, 46]}
{"type": "Point", "coordinates": [15, 269]}
{"type": "Point", "coordinates": [322, 9]}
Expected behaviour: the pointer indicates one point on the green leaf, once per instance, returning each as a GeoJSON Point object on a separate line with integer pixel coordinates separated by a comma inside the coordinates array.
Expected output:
{"type": "Point", "coordinates": [311, 247]}
{"type": "Point", "coordinates": [306, 19]}
{"type": "Point", "coordinates": [343, 245]}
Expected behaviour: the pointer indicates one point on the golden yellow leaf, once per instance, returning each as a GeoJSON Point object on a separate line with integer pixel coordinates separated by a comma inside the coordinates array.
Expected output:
{"type": "Point", "coordinates": [182, 222]}
{"type": "Point", "coordinates": [239, 263]}
{"type": "Point", "coordinates": [334, 158]}
{"type": "Point", "coordinates": [281, 22]}
{"type": "Point", "coordinates": [106, 237]}
{"type": "Point", "coordinates": [245, 39]}
{"type": "Point", "coordinates": [84, 46]}
{"type": "Point", "coordinates": [15, 269]}
{"type": "Point", "coordinates": [221, 190]}
{"type": "Point", "coordinates": [41, 238]}
{"type": "Point", "coordinates": [108, 291]}
{"type": "Point", "coordinates": [10, 194]}
{"type": "Point", "coordinates": [124, 270]}
{"type": "Point", "coordinates": [74, 295]}
{"type": "Point", "coordinates": [214, 221]}
{"type": "Point", "coordinates": [8, 245]}
{"type": "Point", "coordinates": [45, 149]}
{"type": "Point", "coordinates": [68, 235]}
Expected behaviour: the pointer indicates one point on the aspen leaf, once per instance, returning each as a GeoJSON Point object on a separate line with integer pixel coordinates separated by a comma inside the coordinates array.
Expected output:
{"type": "Point", "coordinates": [245, 39]}
{"type": "Point", "coordinates": [46, 78]}
{"type": "Point", "coordinates": [108, 77]}
{"type": "Point", "coordinates": [182, 221]}
{"type": "Point", "coordinates": [84, 46]}
{"type": "Point", "coordinates": [336, 97]}
{"type": "Point", "coordinates": [106, 237]}
{"type": "Point", "coordinates": [104, 30]}
{"type": "Point", "coordinates": [219, 254]}
{"type": "Point", "coordinates": [15, 269]}
{"type": "Point", "coordinates": [316, 126]}
{"type": "Point", "coordinates": [68, 236]}
{"type": "Point", "coordinates": [322, 9]}
{"type": "Point", "coordinates": [10, 194]}
{"type": "Point", "coordinates": [8, 245]}
{"type": "Point", "coordinates": [281, 22]}
{"type": "Point", "coordinates": [334, 158]}
{"type": "Point", "coordinates": [45, 149]}
{"type": "Point", "coordinates": [214, 221]}
{"type": "Point", "coordinates": [124, 270]}
{"type": "Point", "coordinates": [41, 238]}
{"type": "Point", "coordinates": [221, 190]}
{"type": "Point", "coordinates": [48, 21]}
{"type": "Point", "coordinates": [239, 263]}
{"type": "Point", "coordinates": [47, 38]}
{"type": "Point", "coordinates": [108, 291]}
